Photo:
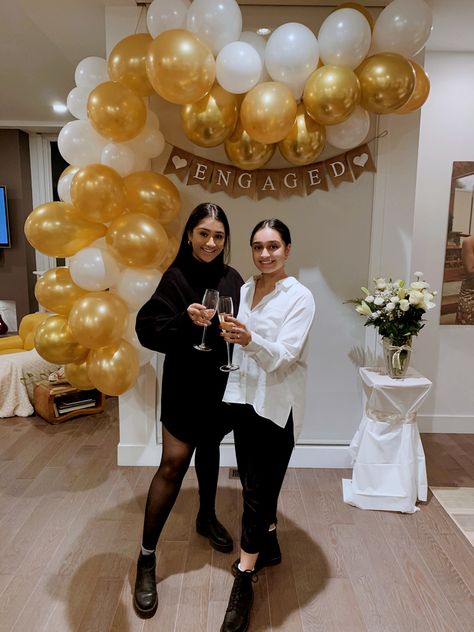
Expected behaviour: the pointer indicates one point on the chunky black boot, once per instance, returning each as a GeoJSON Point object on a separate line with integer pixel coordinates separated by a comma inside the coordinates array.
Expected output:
{"type": "Point", "coordinates": [145, 597]}
{"type": "Point", "coordinates": [237, 615]}
{"type": "Point", "coordinates": [270, 555]}
{"type": "Point", "coordinates": [218, 536]}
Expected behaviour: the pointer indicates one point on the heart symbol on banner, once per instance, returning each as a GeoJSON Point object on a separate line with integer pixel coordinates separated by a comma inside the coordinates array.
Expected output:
{"type": "Point", "coordinates": [360, 160]}
{"type": "Point", "coordinates": [178, 162]}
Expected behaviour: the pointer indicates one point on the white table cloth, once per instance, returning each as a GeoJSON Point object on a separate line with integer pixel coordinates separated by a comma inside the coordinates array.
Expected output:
{"type": "Point", "coordinates": [389, 470]}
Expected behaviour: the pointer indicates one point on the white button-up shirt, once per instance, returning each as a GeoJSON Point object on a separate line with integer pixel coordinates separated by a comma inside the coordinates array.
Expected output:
{"type": "Point", "coordinates": [273, 366]}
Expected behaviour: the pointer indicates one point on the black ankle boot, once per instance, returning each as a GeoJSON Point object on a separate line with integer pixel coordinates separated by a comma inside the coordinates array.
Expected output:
{"type": "Point", "coordinates": [270, 555]}
{"type": "Point", "coordinates": [237, 615]}
{"type": "Point", "coordinates": [145, 597]}
{"type": "Point", "coordinates": [218, 536]}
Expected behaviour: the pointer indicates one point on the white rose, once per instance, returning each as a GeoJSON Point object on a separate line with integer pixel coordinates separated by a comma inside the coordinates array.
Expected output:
{"type": "Point", "coordinates": [380, 283]}
{"type": "Point", "coordinates": [415, 297]}
{"type": "Point", "coordinates": [419, 285]}
{"type": "Point", "coordinates": [389, 307]}
{"type": "Point", "coordinates": [369, 299]}
{"type": "Point", "coordinates": [394, 299]}
{"type": "Point", "coordinates": [379, 300]}
{"type": "Point", "coordinates": [418, 274]}
{"type": "Point", "coordinates": [404, 305]}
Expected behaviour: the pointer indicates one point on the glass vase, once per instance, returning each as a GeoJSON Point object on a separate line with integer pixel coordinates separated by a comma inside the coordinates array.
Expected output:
{"type": "Point", "coordinates": [397, 357]}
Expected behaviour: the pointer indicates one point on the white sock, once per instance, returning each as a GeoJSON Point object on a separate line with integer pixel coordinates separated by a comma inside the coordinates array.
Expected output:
{"type": "Point", "coordinates": [146, 551]}
{"type": "Point", "coordinates": [247, 570]}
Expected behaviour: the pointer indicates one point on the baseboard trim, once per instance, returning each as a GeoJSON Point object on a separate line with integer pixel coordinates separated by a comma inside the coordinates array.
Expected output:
{"type": "Point", "coordinates": [456, 424]}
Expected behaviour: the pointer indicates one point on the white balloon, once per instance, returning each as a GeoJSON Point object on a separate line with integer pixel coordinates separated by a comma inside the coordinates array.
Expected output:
{"type": "Point", "coordinates": [94, 269]}
{"type": "Point", "coordinates": [344, 38]}
{"type": "Point", "coordinates": [163, 15]}
{"type": "Point", "coordinates": [144, 354]}
{"type": "Point", "coordinates": [402, 27]}
{"type": "Point", "coordinates": [351, 132]}
{"type": "Point", "coordinates": [216, 23]}
{"type": "Point", "coordinates": [238, 67]}
{"type": "Point", "coordinates": [120, 157]}
{"type": "Point", "coordinates": [79, 144]}
{"type": "Point", "coordinates": [150, 142]}
{"type": "Point", "coordinates": [64, 185]}
{"type": "Point", "coordinates": [136, 285]}
{"type": "Point", "coordinates": [291, 55]}
{"type": "Point", "coordinates": [259, 43]}
{"type": "Point", "coordinates": [77, 102]}
{"type": "Point", "coordinates": [90, 72]}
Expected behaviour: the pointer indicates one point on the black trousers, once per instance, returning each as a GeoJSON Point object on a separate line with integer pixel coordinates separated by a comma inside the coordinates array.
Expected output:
{"type": "Point", "coordinates": [263, 452]}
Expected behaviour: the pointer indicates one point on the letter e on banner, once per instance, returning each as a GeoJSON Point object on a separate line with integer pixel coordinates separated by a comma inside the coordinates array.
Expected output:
{"type": "Point", "coordinates": [200, 172]}
{"type": "Point", "coordinates": [315, 177]}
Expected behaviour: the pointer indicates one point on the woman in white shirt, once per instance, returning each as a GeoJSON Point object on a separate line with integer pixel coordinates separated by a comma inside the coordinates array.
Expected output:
{"type": "Point", "coordinates": [267, 397]}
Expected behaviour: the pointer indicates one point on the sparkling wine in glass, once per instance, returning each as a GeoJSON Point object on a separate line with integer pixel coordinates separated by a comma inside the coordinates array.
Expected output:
{"type": "Point", "coordinates": [209, 300]}
{"type": "Point", "coordinates": [226, 308]}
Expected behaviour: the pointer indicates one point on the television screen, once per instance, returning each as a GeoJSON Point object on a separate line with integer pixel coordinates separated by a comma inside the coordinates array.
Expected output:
{"type": "Point", "coordinates": [4, 228]}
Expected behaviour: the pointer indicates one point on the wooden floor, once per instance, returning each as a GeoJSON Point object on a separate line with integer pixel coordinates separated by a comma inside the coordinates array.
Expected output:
{"type": "Point", "coordinates": [70, 525]}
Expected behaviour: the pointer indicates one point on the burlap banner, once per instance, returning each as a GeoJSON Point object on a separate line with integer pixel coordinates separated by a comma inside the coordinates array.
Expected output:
{"type": "Point", "coordinates": [275, 183]}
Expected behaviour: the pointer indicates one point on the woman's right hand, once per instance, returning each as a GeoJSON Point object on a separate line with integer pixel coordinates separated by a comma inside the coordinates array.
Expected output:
{"type": "Point", "coordinates": [199, 314]}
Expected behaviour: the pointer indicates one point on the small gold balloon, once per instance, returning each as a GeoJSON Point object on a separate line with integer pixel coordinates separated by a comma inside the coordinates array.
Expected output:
{"type": "Point", "coordinates": [55, 343]}
{"type": "Point", "coordinates": [113, 370]}
{"type": "Point", "coordinates": [173, 247]}
{"type": "Point", "coordinates": [387, 81]}
{"type": "Point", "coordinates": [358, 7]}
{"type": "Point", "coordinates": [268, 112]}
{"type": "Point", "coordinates": [56, 291]}
{"type": "Point", "coordinates": [98, 319]}
{"type": "Point", "coordinates": [420, 93]}
{"type": "Point", "coordinates": [210, 120]}
{"type": "Point", "coordinates": [331, 94]}
{"type": "Point", "coordinates": [76, 375]}
{"type": "Point", "coordinates": [115, 111]}
{"type": "Point", "coordinates": [180, 67]}
{"type": "Point", "coordinates": [127, 63]}
{"type": "Point", "coordinates": [137, 240]}
{"type": "Point", "coordinates": [153, 194]}
{"type": "Point", "coordinates": [245, 152]}
{"type": "Point", "coordinates": [305, 141]}
{"type": "Point", "coordinates": [58, 230]}
{"type": "Point", "coordinates": [97, 193]}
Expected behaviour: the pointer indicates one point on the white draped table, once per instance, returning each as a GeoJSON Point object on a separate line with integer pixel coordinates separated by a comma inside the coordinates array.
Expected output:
{"type": "Point", "coordinates": [389, 470]}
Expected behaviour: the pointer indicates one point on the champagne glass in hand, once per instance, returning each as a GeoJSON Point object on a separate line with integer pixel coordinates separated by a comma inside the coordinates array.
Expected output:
{"type": "Point", "coordinates": [226, 308]}
{"type": "Point", "coordinates": [209, 300]}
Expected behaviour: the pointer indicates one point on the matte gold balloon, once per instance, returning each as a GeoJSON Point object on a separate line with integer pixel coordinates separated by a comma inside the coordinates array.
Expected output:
{"type": "Point", "coordinates": [420, 93]}
{"type": "Point", "coordinates": [173, 247]}
{"type": "Point", "coordinates": [115, 111]}
{"type": "Point", "coordinates": [98, 194]}
{"type": "Point", "coordinates": [387, 81]}
{"type": "Point", "coordinates": [127, 63]}
{"type": "Point", "coordinates": [58, 230]}
{"type": "Point", "coordinates": [331, 94]}
{"type": "Point", "coordinates": [245, 152]}
{"type": "Point", "coordinates": [268, 112]}
{"type": "Point", "coordinates": [113, 370]}
{"type": "Point", "coordinates": [56, 291]}
{"type": "Point", "coordinates": [98, 319]}
{"type": "Point", "coordinates": [358, 7]}
{"type": "Point", "coordinates": [153, 194]}
{"type": "Point", "coordinates": [180, 67]}
{"type": "Point", "coordinates": [210, 120]}
{"type": "Point", "coordinates": [55, 343]}
{"type": "Point", "coordinates": [137, 240]}
{"type": "Point", "coordinates": [305, 141]}
{"type": "Point", "coordinates": [76, 375]}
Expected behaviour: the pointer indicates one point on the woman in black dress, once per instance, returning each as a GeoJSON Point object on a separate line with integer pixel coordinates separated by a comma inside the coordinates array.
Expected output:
{"type": "Point", "coordinates": [191, 398]}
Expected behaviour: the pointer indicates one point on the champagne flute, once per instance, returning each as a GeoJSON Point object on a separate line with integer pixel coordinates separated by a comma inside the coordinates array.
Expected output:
{"type": "Point", "coordinates": [226, 308]}
{"type": "Point", "coordinates": [209, 300]}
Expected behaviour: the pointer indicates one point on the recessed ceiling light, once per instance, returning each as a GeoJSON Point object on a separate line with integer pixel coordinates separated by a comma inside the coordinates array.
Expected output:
{"type": "Point", "coordinates": [264, 30]}
{"type": "Point", "coordinates": [60, 108]}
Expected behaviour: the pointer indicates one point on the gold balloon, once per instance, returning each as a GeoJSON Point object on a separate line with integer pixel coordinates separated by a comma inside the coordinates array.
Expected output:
{"type": "Point", "coordinates": [387, 81]}
{"type": "Point", "coordinates": [331, 94]}
{"type": "Point", "coordinates": [115, 111]}
{"type": "Point", "coordinates": [113, 370]}
{"type": "Point", "coordinates": [127, 63]}
{"type": "Point", "coordinates": [245, 152]}
{"type": "Point", "coordinates": [268, 112]}
{"type": "Point", "coordinates": [173, 247]}
{"type": "Point", "coordinates": [97, 193]}
{"type": "Point", "coordinates": [358, 7]}
{"type": "Point", "coordinates": [56, 291]}
{"type": "Point", "coordinates": [98, 319]}
{"type": "Point", "coordinates": [420, 93]}
{"type": "Point", "coordinates": [305, 141]}
{"type": "Point", "coordinates": [55, 343]}
{"type": "Point", "coordinates": [58, 230]}
{"type": "Point", "coordinates": [137, 240]}
{"type": "Point", "coordinates": [180, 67]}
{"type": "Point", "coordinates": [210, 120]}
{"type": "Point", "coordinates": [153, 194]}
{"type": "Point", "coordinates": [76, 375]}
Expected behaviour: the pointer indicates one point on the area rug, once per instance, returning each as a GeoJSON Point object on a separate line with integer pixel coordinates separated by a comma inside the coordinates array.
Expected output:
{"type": "Point", "coordinates": [458, 502]}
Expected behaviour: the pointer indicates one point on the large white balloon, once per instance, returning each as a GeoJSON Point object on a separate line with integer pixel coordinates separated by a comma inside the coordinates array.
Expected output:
{"type": "Point", "coordinates": [94, 269]}
{"type": "Point", "coordinates": [238, 67]}
{"type": "Point", "coordinates": [136, 285]}
{"type": "Point", "coordinates": [351, 132]}
{"type": "Point", "coordinates": [216, 23]}
{"type": "Point", "coordinates": [291, 55]}
{"type": "Point", "coordinates": [64, 184]}
{"type": "Point", "coordinates": [150, 142]}
{"type": "Point", "coordinates": [163, 15]}
{"type": "Point", "coordinates": [403, 27]}
{"type": "Point", "coordinates": [120, 157]}
{"type": "Point", "coordinates": [260, 44]}
{"type": "Point", "coordinates": [344, 38]}
{"type": "Point", "coordinates": [79, 144]}
{"type": "Point", "coordinates": [77, 102]}
{"type": "Point", "coordinates": [90, 72]}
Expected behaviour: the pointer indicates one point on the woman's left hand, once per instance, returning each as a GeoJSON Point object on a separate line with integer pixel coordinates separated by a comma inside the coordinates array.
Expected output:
{"type": "Point", "coordinates": [238, 334]}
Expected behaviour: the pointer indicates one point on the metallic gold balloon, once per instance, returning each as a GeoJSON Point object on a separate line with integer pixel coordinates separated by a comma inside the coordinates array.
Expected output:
{"type": "Point", "coordinates": [268, 112]}
{"type": "Point", "coordinates": [115, 111]}
{"type": "Point", "coordinates": [127, 63]}
{"type": "Point", "coordinates": [113, 370]}
{"type": "Point", "coordinates": [387, 81]}
{"type": "Point", "coordinates": [58, 230]}
{"type": "Point", "coordinates": [56, 291]}
{"type": "Point", "coordinates": [181, 68]}
{"type": "Point", "coordinates": [55, 343]}
{"type": "Point", "coordinates": [305, 141]}
{"type": "Point", "coordinates": [210, 120]}
{"type": "Point", "coordinates": [245, 152]}
{"type": "Point", "coordinates": [153, 194]}
{"type": "Point", "coordinates": [97, 192]}
{"type": "Point", "coordinates": [98, 319]}
{"type": "Point", "coordinates": [76, 375]}
{"type": "Point", "coordinates": [420, 93]}
{"type": "Point", "coordinates": [358, 7]}
{"type": "Point", "coordinates": [137, 240]}
{"type": "Point", "coordinates": [331, 94]}
{"type": "Point", "coordinates": [173, 247]}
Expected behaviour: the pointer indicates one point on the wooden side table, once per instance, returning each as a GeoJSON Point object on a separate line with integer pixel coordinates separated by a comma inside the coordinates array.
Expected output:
{"type": "Point", "coordinates": [58, 402]}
